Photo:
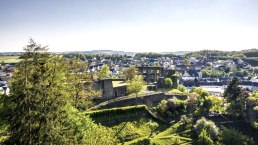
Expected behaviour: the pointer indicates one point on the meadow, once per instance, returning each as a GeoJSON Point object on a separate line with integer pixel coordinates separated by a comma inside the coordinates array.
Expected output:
{"type": "Point", "coordinates": [9, 59]}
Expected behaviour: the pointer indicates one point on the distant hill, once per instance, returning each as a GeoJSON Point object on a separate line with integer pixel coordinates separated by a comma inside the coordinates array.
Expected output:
{"type": "Point", "coordinates": [11, 53]}
{"type": "Point", "coordinates": [177, 52]}
{"type": "Point", "coordinates": [104, 52]}
{"type": "Point", "coordinates": [123, 52]}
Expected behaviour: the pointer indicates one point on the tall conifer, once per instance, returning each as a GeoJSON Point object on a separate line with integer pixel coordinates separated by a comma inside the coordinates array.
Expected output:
{"type": "Point", "coordinates": [38, 98]}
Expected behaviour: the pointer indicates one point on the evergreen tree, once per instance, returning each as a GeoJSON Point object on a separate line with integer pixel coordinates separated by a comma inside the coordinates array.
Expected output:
{"type": "Point", "coordinates": [233, 90]}
{"type": "Point", "coordinates": [236, 98]}
{"type": "Point", "coordinates": [234, 137]}
{"type": "Point", "coordinates": [38, 99]}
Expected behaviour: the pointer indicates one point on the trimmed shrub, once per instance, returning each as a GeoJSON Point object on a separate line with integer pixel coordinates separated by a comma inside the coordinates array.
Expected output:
{"type": "Point", "coordinates": [117, 111]}
{"type": "Point", "coordinates": [115, 115]}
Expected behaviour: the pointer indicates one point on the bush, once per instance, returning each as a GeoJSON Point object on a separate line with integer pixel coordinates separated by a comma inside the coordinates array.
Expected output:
{"type": "Point", "coordinates": [217, 104]}
{"type": "Point", "coordinates": [192, 103]}
{"type": "Point", "coordinates": [185, 120]}
{"type": "Point", "coordinates": [255, 125]}
{"type": "Point", "coordinates": [168, 83]}
{"type": "Point", "coordinates": [172, 108]}
{"type": "Point", "coordinates": [209, 126]}
{"type": "Point", "coordinates": [162, 106]}
{"type": "Point", "coordinates": [182, 89]}
{"type": "Point", "coordinates": [204, 138]}
{"type": "Point", "coordinates": [201, 92]}
{"type": "Point", "coordinates": [234, 137]}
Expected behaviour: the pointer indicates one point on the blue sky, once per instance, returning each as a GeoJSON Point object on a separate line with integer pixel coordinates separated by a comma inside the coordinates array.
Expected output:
{"type": "Point", "coordinates": [129, 25]}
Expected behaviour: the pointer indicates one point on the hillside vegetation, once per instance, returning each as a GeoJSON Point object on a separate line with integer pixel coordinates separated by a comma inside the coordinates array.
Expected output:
{"type": "Point", "coordinates": [132, 125]}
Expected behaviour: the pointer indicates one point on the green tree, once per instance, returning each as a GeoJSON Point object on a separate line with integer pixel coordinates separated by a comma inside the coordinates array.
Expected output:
{"type": "Point", "coordinates": [80, 84]}
{"type": "Point", "coordinates": [130, 72]}
{"type": "Point", "coordinates": [38, 99]}
{"type": "Point", "coordinates": [82, 57]}
{"type": "Point", "coordinates": [135, 85]}
{"type": "Point", "coordinates": [236, 99]}
{"type": "Point", "coordinates": [104, 72]}
{"type": "Point", "coordinates": [216, 104]}
{"type": "Point", "coordinates": [168, 83]}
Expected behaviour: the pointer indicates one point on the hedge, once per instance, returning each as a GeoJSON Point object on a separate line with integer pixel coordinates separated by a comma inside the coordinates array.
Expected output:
{"type": "Point", "coordinates": [117, 111]}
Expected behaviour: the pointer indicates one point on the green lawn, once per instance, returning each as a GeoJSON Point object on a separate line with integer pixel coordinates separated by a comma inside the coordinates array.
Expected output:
{"type": "Point", "coordinates": [9, 59]}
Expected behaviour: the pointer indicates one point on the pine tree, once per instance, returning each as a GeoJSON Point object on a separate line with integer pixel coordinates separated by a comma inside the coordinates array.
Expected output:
{"type": "Point", "coordinates": [233, 90]}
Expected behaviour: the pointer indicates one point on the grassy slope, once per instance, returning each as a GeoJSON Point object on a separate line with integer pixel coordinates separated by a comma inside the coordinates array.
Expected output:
{"type": "Point", "coordinates": [133, 130]}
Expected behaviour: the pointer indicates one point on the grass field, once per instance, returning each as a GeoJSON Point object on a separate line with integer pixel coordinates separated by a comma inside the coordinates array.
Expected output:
{"type": "Point", "coordinates": [9, 59]}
